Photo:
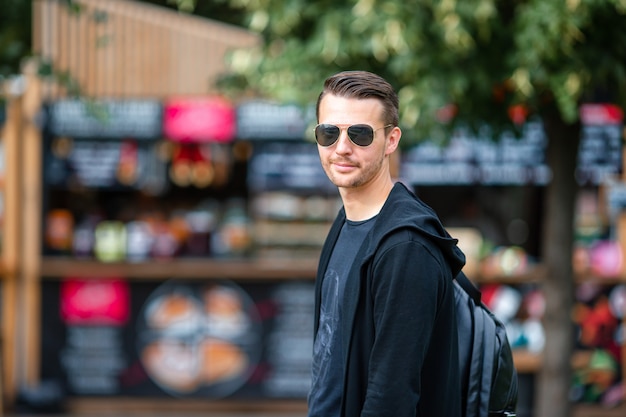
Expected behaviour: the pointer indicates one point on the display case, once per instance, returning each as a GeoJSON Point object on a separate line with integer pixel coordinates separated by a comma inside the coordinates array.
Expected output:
{"type": "Point", "coordinates": [498, 187]}
{"type": "Point", "coordinates": [159, 245]}
{"type": "Point", "coordinates": [177, 258]}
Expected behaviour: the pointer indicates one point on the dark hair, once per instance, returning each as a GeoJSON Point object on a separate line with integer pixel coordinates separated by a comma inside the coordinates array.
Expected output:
{"type": "Point", "coordinates": [362, 85]}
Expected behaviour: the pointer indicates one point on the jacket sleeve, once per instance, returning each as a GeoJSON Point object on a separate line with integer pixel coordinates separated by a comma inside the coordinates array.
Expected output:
{"type": "Point", "coordinates": [408, 282]}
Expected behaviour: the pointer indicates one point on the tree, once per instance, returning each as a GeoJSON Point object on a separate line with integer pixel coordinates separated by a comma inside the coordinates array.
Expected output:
{"type": "Point", "coordinates": [486, 58]}
{"type": "Point", "coordinates": [14, 35]}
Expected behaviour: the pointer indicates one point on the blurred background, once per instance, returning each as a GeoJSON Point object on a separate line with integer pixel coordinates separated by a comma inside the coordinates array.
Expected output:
{"type": "Point", "coordinates": [162, 205]}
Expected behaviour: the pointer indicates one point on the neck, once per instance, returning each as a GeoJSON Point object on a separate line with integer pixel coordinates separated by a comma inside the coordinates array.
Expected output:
{"type": "Point", "coordinates": [365, 202]}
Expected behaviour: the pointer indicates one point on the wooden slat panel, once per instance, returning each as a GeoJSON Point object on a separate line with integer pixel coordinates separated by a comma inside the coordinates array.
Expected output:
{"type": "Point", "coordinates": [131, 61]}
{"type": "Point", "coordinates": [75, 51]}
{"type": "Point", "coordinates": [108, 67]}
{"type": "Point", "coordinates": [11, 239]}
{"type": "Point", "coordinates": [152, 63]}
{"type": "Point", "coordinates": [95, 86]}
{"type": "Point", "coordinates": [91, 38]}
{"type": "Point", "coordinates": [61, 34]}
{"type": "Point", "coordinates": [117, 38]}
{"type": "Point", "coordinates": [84, 48]}
{"type": "Point", "coordinates": [133, 64]}
{"type": "Point", "coordinates": [51, 43]}
{"type": "Point", "coordinates": [43, 36]}
{"type": "Point", "coordinates": [151, 51]}
{"type": "Point", "coordinates": [38, 29]}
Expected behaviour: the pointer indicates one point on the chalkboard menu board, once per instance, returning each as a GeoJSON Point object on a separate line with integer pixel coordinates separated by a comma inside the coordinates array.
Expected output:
{"type": "Point", "coordinates": [210, 339]}
{"type": "Point", "coordinates": [261, 120]}
{"type": "Point", "coordinates": [615, 196]}
{"type": "Point", "coordinates": [287, 166]}
{"type": "Point", "coordinates": [103, 164]}
{"type": "Point", "coordinates": [470, 160]}
{"type": "Point", "coordinates": [473, 160]}
{"type": "Point", "coordinates": [138, 119]}
{"type": "Point", "coordinates": [600, 150]}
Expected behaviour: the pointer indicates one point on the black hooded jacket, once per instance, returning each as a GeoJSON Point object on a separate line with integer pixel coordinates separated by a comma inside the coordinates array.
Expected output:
{"type": "Point", "coordinates": [399, 329]}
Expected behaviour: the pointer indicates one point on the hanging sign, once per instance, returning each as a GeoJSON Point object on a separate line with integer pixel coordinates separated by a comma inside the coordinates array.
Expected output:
{"type": "Point", "coordinates": [287, 166]}
{"type": "Point", "coordinates": [600, 149]}
{"type": "Point", "coordinates": [265, 120]}
{"type": "Point", "coordinates": [98, 163]}
{"type": "Point", "coordinates": [601, 114]}
{"type": "Point", "coordinates": [137, 119]}
{"type": "Point", "coordinates": [95, 301]}
{"type": "Point", "coordinates": [470, 160]}
{"type": "Point", "coordinates": [208, 119]}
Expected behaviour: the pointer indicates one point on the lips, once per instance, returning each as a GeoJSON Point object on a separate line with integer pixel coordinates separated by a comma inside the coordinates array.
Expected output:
{"type": "Point", "coordinates": [343, 166]}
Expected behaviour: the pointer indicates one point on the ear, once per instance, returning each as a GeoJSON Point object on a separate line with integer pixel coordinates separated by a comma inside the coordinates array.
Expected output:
{"type": "Point", "coordinates": [393, 140]}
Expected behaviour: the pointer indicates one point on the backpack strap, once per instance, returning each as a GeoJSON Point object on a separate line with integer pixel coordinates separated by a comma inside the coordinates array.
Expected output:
{"type": "Point", "coordinates": [469, 288]}
{"type": "Point", "coordinates": [483, 348]}
{"type": "Point", "coordinates": [483, 370]}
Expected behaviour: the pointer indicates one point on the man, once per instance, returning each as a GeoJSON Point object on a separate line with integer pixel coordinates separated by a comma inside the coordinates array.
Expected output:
{"type": "Point", "coordinates": [385, 330]}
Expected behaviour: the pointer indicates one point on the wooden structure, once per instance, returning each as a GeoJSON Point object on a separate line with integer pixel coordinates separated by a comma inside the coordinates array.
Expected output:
{"type": "Point", "coordinates": [110, 49]}
{"type": "Point", "coordinates": [11, 234]}
{"type": "Point", "coordinates": [121, 48]}
{"type": "Point", "coordinates": [19, 261]}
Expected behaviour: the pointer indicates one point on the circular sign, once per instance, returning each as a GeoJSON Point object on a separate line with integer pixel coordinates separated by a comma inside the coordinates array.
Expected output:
{"type": "Point", "coordinates": [199, 339]}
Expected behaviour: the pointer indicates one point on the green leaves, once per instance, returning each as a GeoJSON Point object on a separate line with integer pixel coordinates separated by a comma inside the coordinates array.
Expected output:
{"type": "Point", "coordinates": [15, 35]}
{"type": "Point", "coordinates": [481, 55]}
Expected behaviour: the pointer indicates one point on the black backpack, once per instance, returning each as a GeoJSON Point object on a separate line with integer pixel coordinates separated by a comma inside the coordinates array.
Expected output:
{"type": "Point", "coordinates": [489, 378]}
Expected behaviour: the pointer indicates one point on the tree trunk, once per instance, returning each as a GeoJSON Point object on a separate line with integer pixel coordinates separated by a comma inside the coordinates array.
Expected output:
{"type": "Point", "coordinates": [554, 377]}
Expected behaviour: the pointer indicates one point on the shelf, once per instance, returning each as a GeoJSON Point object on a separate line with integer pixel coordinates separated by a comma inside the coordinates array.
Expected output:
{"type": "Point", "coordinates": [538, 273]}
{"type": "Point", "coordinates": [301, 267]}
{"type": "Point", "coordinates": [533, 274]}
{"type": "Point", "coordinates": [88, 406]}
{"type": "Point", "coordinates": [526, 362]}
{"type": "Point", "coordinates": [291, 408]}
{"type": "Point", "coordinates": [270, 269]}
{"type": "Point", "coordinates": [595, 410]}
{"type": "Point", "coordinates": [612, 280]}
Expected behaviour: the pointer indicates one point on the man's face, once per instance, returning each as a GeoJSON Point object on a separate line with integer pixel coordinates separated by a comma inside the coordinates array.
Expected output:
{"type": "Point", "coordinates": [346, 164]}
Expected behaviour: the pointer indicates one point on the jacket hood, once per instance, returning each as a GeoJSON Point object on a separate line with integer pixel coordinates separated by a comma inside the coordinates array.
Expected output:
{"type": "Point", "coordinates": [404, 210]}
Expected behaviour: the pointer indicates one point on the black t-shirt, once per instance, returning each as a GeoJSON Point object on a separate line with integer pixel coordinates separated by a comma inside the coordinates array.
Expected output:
{"type": "Point", "coordinates": [327, 368]}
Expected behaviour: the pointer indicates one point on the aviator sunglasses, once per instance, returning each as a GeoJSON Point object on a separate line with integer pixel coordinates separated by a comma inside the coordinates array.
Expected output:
{"type": "Point", "coordinates": [361, 134]}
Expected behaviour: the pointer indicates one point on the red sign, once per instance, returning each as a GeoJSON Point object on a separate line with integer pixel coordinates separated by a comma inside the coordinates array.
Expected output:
{"type": "Point", "coordinates": [601, 114]}
{"type": "Point", "coordinates": [95, 301]}
{"type": "Point", "coordinates": [209, 119]}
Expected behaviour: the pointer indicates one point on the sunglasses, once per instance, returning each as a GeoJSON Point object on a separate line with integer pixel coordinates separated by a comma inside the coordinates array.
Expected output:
{"type": "Point", "coordinates": [361, 134]}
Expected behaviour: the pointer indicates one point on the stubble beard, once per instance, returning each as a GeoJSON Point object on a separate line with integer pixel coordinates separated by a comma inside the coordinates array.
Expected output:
{"type": "Point", "coordinates": [363, 175]}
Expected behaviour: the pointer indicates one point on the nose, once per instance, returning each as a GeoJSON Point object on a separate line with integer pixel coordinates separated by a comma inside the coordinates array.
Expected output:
{"type": "Point", "coordinates": [344, 144]}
